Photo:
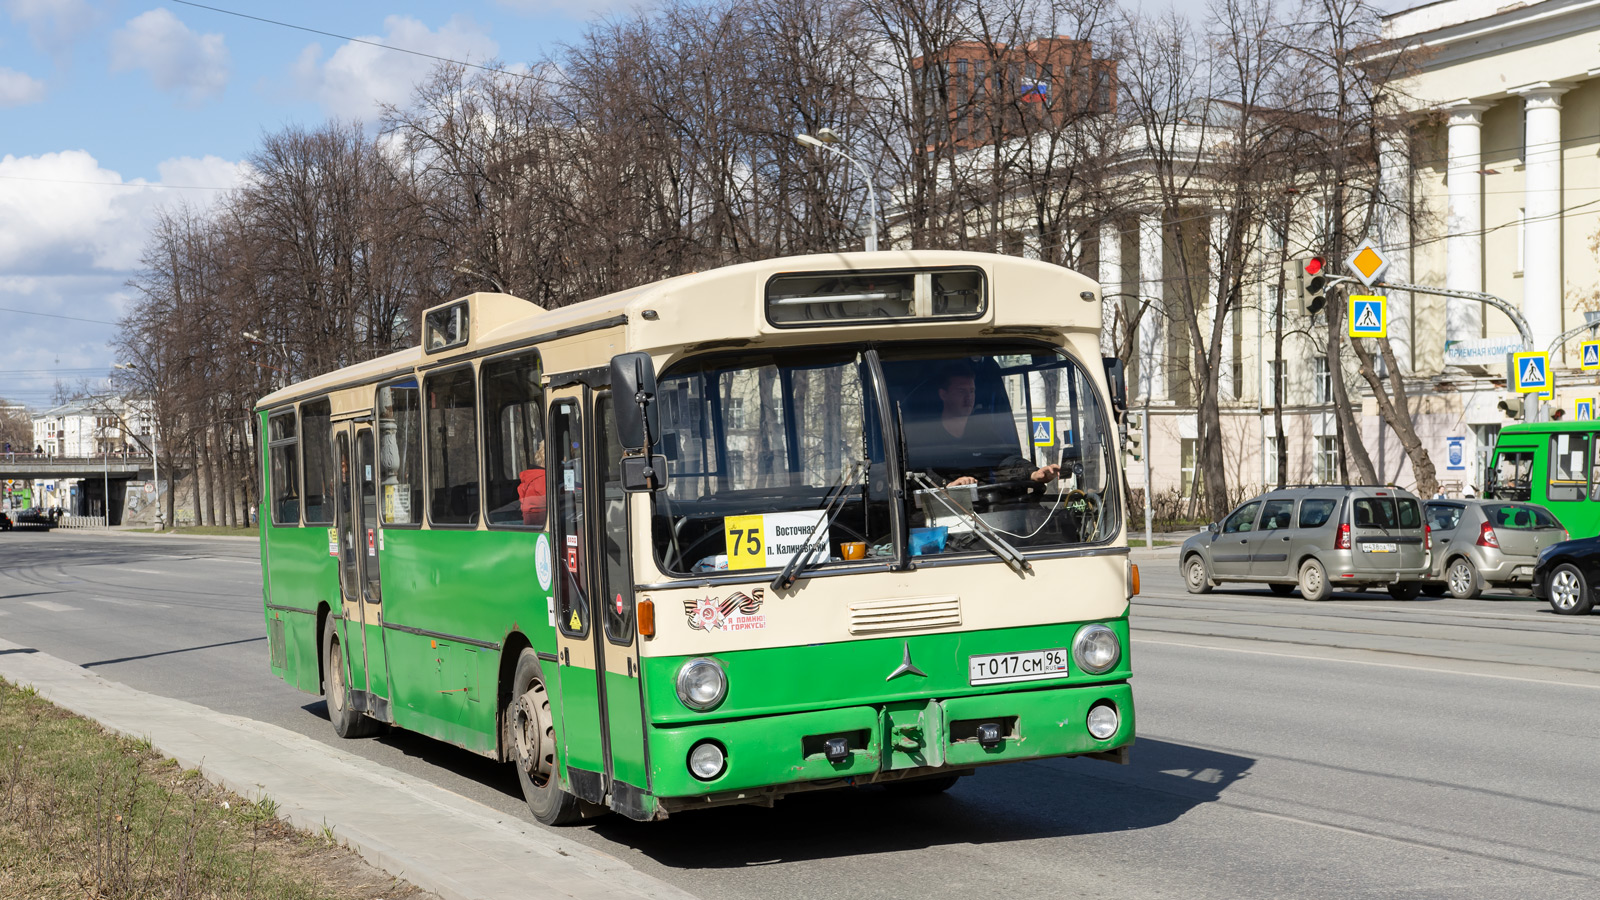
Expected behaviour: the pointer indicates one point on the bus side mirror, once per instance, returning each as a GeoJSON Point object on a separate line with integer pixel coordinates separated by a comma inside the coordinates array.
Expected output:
{"type": "Point", "coordinates": [1116, 382]}
{"type": "Point", "coordinates": [633, 393]}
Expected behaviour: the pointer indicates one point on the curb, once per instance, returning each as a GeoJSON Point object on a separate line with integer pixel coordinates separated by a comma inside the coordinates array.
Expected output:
{"type": "Point", "coordinates": [117, 531]}
{"type": "Point", "coordinates": [410, 828]}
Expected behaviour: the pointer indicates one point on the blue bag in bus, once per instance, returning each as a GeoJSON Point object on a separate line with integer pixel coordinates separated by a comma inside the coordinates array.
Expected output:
{"type": "Point", "coordinates": [928, 540]}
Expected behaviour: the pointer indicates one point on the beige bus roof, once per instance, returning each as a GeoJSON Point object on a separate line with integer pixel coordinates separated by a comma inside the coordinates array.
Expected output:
{"type": "Point", "coordinates": [726, 306]}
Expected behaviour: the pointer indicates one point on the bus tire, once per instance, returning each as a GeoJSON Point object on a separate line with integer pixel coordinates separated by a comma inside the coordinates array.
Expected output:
{"type": "Point", "coordinates": [530, 725]}
{"type": "Point", "coordinates": [347, 722]}
{"type": "Point", "coordinates": [1196, 575]}
{"type": "Point", "coordinates": [1569, 591]}
{"type": "Point", "coordinates": [1314, 581]}
{"type": "Point", "coordinates": [1462, 579]}
{"type": "Point", "coordinates": [922, 787]}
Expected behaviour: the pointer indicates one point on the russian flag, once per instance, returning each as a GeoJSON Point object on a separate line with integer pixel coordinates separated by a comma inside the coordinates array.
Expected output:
{"type": "Point", "coordinates": [1035, 91]}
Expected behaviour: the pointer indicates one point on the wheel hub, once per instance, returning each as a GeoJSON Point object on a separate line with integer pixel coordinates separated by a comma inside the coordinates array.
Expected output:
{"type": "Point", "coordinates": [527, 734]}
{"type": "Point", "coordinates": [1564, 589]}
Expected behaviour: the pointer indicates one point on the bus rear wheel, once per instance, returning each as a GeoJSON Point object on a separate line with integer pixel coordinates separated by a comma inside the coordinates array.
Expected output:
{"type": "Point", "coordinates": [347, 721]}
{"type": "Point", "coordinates": [531, 728]}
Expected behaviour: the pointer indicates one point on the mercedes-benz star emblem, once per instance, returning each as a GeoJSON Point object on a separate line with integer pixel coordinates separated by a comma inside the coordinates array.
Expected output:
{"type": "Point", "coordinates": [907, 667]}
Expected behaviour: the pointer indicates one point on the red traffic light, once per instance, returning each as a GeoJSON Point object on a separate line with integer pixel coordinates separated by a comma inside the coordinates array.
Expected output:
{"type": "Point", "coordinates": [1313, 265]}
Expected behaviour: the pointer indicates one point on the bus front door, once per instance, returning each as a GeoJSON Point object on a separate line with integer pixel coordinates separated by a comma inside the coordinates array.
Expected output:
{"type": "Point", "coordinates": [360, 582]}
{"type": "Point", "coordinates": [579, 658]}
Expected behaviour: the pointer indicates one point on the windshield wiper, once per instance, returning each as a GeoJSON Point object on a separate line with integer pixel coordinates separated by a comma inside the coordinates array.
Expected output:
{"type": "Point", "coordinates": [819, 533]}
{"type": "Point", "coordinates": [1007, 553]}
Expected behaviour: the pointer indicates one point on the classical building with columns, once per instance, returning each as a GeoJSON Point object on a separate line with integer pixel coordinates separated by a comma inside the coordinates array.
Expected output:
{"type": "Point", "coordinates": [1504, 188]}
{"type": "Point", "coordinates": [1500, 172]}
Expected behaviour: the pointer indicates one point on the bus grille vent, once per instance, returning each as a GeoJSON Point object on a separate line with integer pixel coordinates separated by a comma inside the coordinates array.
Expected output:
{"type": "Point", "coordinates": [912, 614]}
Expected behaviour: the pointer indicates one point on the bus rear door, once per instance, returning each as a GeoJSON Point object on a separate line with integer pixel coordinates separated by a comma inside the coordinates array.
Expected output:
{"type": "Point", "coordinates": [356, 518]}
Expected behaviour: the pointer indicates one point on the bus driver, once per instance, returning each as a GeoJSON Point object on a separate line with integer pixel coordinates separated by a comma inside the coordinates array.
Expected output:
{"type": "Point", "coordinates": [960, 447]}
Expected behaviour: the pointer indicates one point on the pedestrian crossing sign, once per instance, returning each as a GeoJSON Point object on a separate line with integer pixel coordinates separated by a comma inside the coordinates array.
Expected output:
{"type": "Point", "coordinates": [1369, 316]}
{"type": "Point", "coordinates": [1589, 357]}
{"type": "Point", "coordinates": [1530, 373]}
{"type": "Point", "coordinates": [1044, 431]}
{"type": "Point", "coordinates": [1583, 409]}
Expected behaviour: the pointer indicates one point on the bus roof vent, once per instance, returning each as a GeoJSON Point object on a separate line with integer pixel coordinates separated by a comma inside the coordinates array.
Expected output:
{"type": "Point", "coordinates": [877, 295]}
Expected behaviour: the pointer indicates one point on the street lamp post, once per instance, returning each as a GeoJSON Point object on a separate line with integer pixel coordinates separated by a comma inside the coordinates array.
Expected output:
{"type": "Point", "coordinates": [825, 140]}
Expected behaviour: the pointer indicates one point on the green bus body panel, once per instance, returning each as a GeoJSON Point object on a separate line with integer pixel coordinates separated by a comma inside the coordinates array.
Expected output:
{"type": "Point", "coordinates": [773, 749]}
{"type": "Point", "coordinates": [580, 719]}
{"type": "Point", "coordinates": [625, 720]}
{"type": "Point", "coordinates": [478, 585]}
{"type": "Point", "coordinates": [302, 576]}
{"type": "Point", "coordinates": [377, 666]}
{"type": "Point", "coordinates": [818, 676]}
{"type": "Point", "coordinates": [1581, 518]}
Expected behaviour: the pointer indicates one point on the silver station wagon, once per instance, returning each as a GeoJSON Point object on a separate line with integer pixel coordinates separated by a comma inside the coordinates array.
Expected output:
{"type": "Point", "coordinates": [1480, 544]}
{"type": "Point", "coordinates": [1317, 539]}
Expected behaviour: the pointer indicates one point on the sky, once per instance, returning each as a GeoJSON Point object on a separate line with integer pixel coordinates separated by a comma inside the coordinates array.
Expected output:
{"type": "Point", "coordinates": [110, 109]}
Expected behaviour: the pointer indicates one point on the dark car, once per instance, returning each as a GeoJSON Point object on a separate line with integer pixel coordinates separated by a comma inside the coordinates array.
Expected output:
{"type": "Point", "coordinates": [35, 518]}
{"type": "Point", "coordinates": [1566, 575]}
{"type": "Point", "coordinates": [5, 522]}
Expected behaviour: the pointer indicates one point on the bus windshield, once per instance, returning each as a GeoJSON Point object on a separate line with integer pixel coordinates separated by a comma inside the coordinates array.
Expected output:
{"type": "Point", "coordinates": [1013, 442]}
{"type": "Point", "coordinates": [756, 447]}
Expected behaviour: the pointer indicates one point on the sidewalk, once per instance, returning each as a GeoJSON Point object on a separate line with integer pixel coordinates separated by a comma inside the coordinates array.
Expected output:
{"type": "Point", "coordinates": [410, 828]}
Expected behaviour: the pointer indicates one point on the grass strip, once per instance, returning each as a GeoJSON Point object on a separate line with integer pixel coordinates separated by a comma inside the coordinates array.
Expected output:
{"type": "Point", "coordinates": [85, 813]}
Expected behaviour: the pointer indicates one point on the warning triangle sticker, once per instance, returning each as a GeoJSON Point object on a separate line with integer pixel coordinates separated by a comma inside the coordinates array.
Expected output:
{"type": "Point", "coordinates": [1534, 373]}
{"type": "Point", "coordinates": [1368, 319]}
{"type": "Point", "coordinates": [575, 624]}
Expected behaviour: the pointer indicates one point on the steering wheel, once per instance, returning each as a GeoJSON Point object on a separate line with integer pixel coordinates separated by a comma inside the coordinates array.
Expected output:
{"type": "Point", "coordinates": [1089, 522]}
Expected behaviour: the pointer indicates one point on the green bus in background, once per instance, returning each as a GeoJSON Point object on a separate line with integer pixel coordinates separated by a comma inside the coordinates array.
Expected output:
{"type": "Point", "coordinates": [799, 524]}
{"type": "Point", "coordinates": [1553, 464]}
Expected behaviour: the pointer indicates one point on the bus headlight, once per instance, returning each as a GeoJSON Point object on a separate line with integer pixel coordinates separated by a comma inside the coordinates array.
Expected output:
{"type": "Point", "coordinates": [1096, 649]}
{"type": "Point", "coordinates": [701, 683]}
{"type": "Point", "coordinates": [1103, 721]}
{"type": "Point", "coordinates": [706, 760]}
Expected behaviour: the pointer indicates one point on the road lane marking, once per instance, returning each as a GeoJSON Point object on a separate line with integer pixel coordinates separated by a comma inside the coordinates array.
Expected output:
{"type": "Point", "coordinates": [1365, 662]}
{"type": "Point", "coordinates": [118, 601]}
{"type": "Point", "coordinates": [52, 606]}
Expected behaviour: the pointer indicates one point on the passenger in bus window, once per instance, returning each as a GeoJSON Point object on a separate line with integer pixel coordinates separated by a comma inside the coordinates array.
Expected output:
{"type": "Point", "coordinates": [963, 448]}
{"type": "Point", "coordinates": [531, 487]}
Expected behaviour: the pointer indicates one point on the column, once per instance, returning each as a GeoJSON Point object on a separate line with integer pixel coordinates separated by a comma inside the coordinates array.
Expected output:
{"type": "Point", "coordinates": [1111, 287]}
{"type": "Point", "coordinates": [1152, 325]}
{"type": "Point", "coordinates": [1394, 236]}
{"type": "Point", "coordinates": [1464, 220]}
{"type": "Point", "coordinates": [1541, 255]}
{"type": "Point", "coordinates": [1225, 369]}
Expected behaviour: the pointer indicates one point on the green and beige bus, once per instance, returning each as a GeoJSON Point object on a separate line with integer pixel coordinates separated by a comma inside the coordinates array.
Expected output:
{"type": "Point", "coordinates": [799, 524]}
{"type": "Point", "coordinates": [1553, 464]}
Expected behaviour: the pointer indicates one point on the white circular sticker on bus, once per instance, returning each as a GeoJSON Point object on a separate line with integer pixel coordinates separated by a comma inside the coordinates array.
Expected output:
{"type": "Point", "coordinates": [541, 561]}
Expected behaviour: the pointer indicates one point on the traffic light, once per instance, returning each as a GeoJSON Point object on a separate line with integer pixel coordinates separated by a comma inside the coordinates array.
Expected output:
{"type": "Point", "coordinates": [1512, 406]}
{"type": "Point", "coordinates": [1313, 284]}
{"type": "Point", "coordinates": [1133, 439]}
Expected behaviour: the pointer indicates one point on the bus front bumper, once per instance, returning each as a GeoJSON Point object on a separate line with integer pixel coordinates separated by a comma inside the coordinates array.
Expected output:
{"type": "Point", "coordinates": [886, 742]}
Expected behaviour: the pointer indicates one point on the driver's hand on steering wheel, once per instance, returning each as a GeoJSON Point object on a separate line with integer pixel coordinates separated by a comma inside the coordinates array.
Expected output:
{"type": "Point", "coordinates": [965, 479]}
{"type": "Point", "coordinates": [1048, 473]}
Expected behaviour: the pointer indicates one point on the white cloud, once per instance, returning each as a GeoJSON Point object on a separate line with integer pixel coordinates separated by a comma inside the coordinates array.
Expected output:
{"type": "Point", "coordinates": [19, 88]}
{"type": "Point", "coordinates": [53, 24]}
{"type": "Point", "coordinates": [177, 58]}
{"type": "Point", "coordinates": [63, 213]}
{"type": "Point", "coordinates": [357, 78]}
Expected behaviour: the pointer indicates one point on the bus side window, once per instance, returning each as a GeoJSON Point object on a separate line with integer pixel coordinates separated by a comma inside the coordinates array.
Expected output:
{"type": "Point", "coordinates": [1568, 475]}
{"type": "Point", "coordinates": [1594, 473]}
{"type": "Point", "coordinates": [400, 453]}
{"type": "Point", "coordinates": [316, 423]}
{"type": "Point", "coordinates": [452, 448]}
{"type": "Point", "coordinates": [513, 441]}
{"type": "Point", "coordinates": [284, 447]}
{"type": "Point", "coordinates": [616, 589]}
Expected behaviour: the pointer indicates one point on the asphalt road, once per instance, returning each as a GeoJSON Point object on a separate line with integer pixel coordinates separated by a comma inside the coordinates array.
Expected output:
{"type": "Point", "coordinates": [1357, 748]}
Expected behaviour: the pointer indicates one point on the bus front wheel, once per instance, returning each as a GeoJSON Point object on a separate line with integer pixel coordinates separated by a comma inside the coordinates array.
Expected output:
{"type": "Point", "coordinates": [347, 721]}
{"type": "Point", "coordinates": [533, 742]}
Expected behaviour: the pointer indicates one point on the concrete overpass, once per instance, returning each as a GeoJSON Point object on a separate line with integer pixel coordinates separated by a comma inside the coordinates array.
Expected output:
{"type": "Point", "coordinates": [29, 466]}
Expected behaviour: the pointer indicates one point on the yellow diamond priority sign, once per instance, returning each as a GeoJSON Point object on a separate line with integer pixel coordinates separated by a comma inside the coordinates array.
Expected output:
{"type": "Point", "coordinates": [1368, 263]}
